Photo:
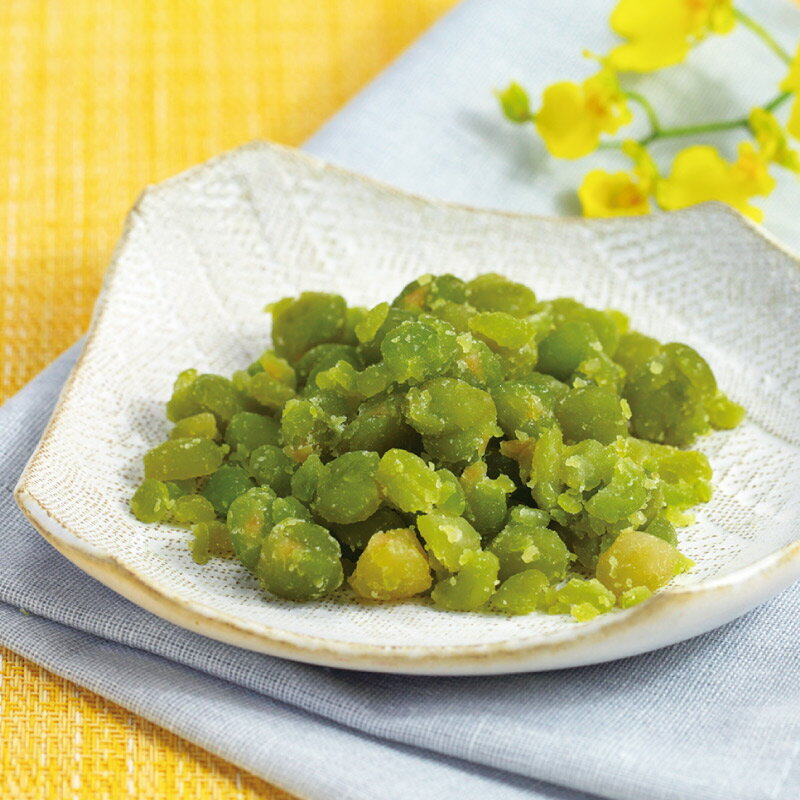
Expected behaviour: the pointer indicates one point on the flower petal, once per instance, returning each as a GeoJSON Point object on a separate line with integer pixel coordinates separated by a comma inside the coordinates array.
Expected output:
{"type": "Point", "coordinates": [660, 32]}
{"type": "Point", "coordinates": [603, 194]}
{"type": "Point", "coordinates": [772, 139]}
{"type": "Point", "coordinates": [564, 124]}
{"type": "Point", "coordinates": [648, 55]}
{"type": "Point", "coordinates": [793, 125]}
{"type": "Point", "coordinates": [635, 19]}
{"type": "Point", "coordinates": [644, 167]}
{"type": "Point", "coordinates": [750, 171]}
{"type": "Point", "coordinates": [791, 83]}
{"type": "Point", "coordinates": [699, 173]}
{"type": "Point", "coordinates": [604, 98]}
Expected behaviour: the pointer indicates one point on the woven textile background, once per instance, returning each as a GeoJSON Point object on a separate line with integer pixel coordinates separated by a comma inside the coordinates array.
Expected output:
{"type": "Point", "coordinates": [99, 100]}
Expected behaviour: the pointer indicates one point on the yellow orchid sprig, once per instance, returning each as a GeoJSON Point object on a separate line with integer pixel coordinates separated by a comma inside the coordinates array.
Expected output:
{"type": "Point", "coordinates": [657, 131]}
{"type": "Point", "coordinates": [573, 117]}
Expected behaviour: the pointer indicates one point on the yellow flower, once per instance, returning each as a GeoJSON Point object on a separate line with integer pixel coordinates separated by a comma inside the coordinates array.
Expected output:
{"type": "Point", "coordinates": [643, 165]}
{"type": "Point", "coordinates": [699, 173]}
{"type": "Point", "coordinates": [791, 83]}
{"type": "Point", "coordinates": [603, 194]}
{"type": "Point", "coordinates": [750, 171]}
{"type": "Point", "coordinates": [660, 32]}
{"type": "Point", "coordinates": [572, 117]}
{"type": "Point", "coordinates": [771, 138]}
{"type": "Point", "coordinates": [606, 101]}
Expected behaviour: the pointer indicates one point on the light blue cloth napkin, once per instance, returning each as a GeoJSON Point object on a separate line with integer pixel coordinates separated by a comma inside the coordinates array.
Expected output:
{"type": "Point", "coordinates": [714, 718]}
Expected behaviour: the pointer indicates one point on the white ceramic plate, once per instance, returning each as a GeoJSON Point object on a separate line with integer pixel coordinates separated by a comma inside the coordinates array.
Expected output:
{"type": "Point", "coordinates": [205, 251]}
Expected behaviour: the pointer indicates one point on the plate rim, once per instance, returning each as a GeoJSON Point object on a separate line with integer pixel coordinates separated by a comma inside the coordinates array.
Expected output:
{"type": "Point", "coordinates": [763, 578]}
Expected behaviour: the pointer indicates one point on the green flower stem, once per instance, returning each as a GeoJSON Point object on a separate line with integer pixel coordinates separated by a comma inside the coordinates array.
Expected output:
{"type": "Point", "coordinates": [777, 101]}
{"type": "Point", "coordinates": [691, 130]}
{"type": "Point", "coordinates": [762, 34]}
{"type": "Point", "coordinates": [657, 132]}
{"type": "Point", "coordinates": [655, 125]}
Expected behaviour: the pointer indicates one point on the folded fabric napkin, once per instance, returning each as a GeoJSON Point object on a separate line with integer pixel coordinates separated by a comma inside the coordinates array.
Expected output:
{"type": "Point", "coordinates": [715, 717]}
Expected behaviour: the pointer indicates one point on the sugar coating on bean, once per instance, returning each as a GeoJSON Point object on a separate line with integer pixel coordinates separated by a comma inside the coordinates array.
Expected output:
{"type": "Point", "coordinates": [466, 441]}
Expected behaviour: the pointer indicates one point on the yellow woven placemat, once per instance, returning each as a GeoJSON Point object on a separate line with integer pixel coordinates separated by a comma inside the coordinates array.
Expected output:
{"type": "Point", "coordinates": [99, 100]}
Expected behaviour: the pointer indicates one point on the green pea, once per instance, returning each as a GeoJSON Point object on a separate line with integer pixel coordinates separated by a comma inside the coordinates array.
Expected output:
{"type": "Point", "coordinates": [210, 539]}
{"type": "Point", "coordinates": [356, 535]}
{"type": "Point", "coordinates": [306, 479]}
{"type": "Point", "coordinates": [353, 317]}
{"type": "Point", "coordinates": [663, 529]}
{"type": "Point", "coordinates": [451, 540]}
{"type": "Point", "coordinates": [537, 517]}
{"type": "Point", "coordinates": [380, 426]}
{"type": "Point", "coordinates": [322, 357]}
{"type": "Point", "coordinates": [246, 431]}
{"type": "Point", "coordinates": [634, 596]}
{"type": "Point", "coordinates": [290, 508]}
{"type": "Point", "coordinates": [526, 407]}
{"type": "Point", "coordinates": [151, 501]}
{"type": "Point", "coordinates": [545, 479]}
{"type": "Point", "coordinates": [193, 508]}
{"type": "Point", "coordinates": [178, 489]}
{"type": "Point", "coordinates": [604, 324]}
{"type": "Point", "coordinates": [268, 392]}
{"type": "Point", "coordinates": [476, 363]}
{"type": "Point", "coordinates": [492, 292]}
{"type": "Point", "coordinates": [270, 466]}
{"type": "Point", "coordinates": [348, 488]}
{"type": "Point", "coordinates": [418, 349]}
{"type": "Point", "coordinates": [520, 593]}
{"type": "Point", "coordinates": [182, 403]}
{"type": "Point", "coordinates": [469, 588]}
{"type": "Point", "coordinates": [429, 291]}
{"type": "Point", "coordinates": [178, 459]}
{"type": "Point", "coordinates": [373, 380]}
{"type": "Point", "coordinates": [299, 561]}
{"type": "Point", "coordinates": [693, 367]}
{"type": "Point", "coordinates": [448, 405]}
{"type": "Point", "coordinates": [459, 448]}
{"type": "Point", "coordinates": [218, 395]}
{"type": "Point", "coordinates": [451, 498]}
{"type": "Point", "coordinates": [562, 351]}
{"type": "Point", "coordinates": [592, 413]}
{"type": "Point", "coordinates": [312, 319]}
{"type": "Point", "coordinates": [670, 396]}
{"type": "Point", "coordinates": [407, 482]}
{"type": "Point", "coordinates": [307, 427]}
{"type": "Point", "coordinates": [370, 349]}
{"type": "Point", "coordinates": [625, 494]}
{"type": "Point", "coordinates": [202, 425]}
{"type": "Point", "coordinates": [634, 350]}
{"type": "Point", "coordinates": [511, 338]}
{"type": "Point", "coordinates": [225, 485]}
{"type": "Point", "coordinates": [457, 315]}
{"type": "Point", "coordinates": [520, 546]}
{"type": "Point", "coordinates": [724, 413]}
{"type": "Point", "coordinates": [392, 567]}
{"type": "Point", "coordinates": [510, 436]}
{"type": "Point", "coordinates": [370, 324]}
{"type": "Point", "coordinates": [486, 498]}
{"type": "Point", "coordinates": [249, 520]}
{"type": "Point", "coordinates": [586, 465]}
{"type": "Point", "coordinates": [583, 599]}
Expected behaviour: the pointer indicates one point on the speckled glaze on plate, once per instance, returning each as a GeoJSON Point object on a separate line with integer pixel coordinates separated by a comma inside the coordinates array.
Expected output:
{"type": "Point", "coordinates": [205, 251]}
